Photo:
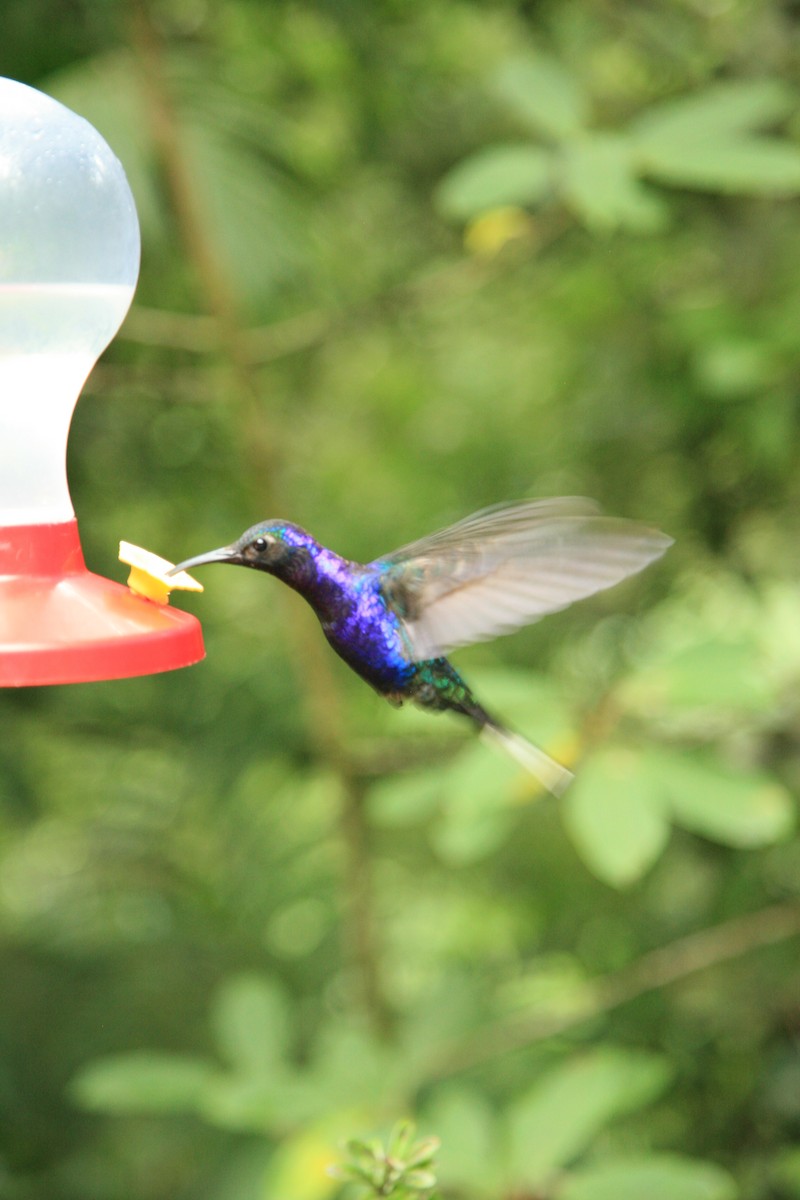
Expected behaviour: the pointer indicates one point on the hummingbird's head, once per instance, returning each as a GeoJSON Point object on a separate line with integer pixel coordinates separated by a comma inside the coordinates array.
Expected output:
{"type": "Point", "coordinates": [269, 546]}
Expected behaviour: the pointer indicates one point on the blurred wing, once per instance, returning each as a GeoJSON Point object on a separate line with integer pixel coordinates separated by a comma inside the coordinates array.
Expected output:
{"type": "Point", "coordinates": [507, 566]}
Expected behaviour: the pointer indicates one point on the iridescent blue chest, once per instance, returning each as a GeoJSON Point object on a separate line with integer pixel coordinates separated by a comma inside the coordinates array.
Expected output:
{"type": "Point", "coordinates": [368, 635]}
{"type": "Point", "coordinates": [354, 614]}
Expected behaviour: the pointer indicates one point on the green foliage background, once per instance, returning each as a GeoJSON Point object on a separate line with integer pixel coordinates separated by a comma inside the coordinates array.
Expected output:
{"type": "Point", "coordinates": [402, 261]}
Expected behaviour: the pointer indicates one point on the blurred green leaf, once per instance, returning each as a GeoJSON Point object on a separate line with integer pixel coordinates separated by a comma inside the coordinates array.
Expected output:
{"type": "Point", "coordinates": [715, 674]}
{"type": "Point", "coordinates": [720, 112]}
{"type": "Point", "coordinates": [494, 177]}
{"type": "Point", "coordinates": [736, 367]}
{"type": "Point", "coordinates": [459, 840]}
{"type": "Point", "coordinates": [480, 780]}
{"type": "Point", "coordinates": [785, 1173]}
{"type": "Point", "coordinates": [598, 178]}
{"type": "Point", "coordinates": [470, 1153]}
{"type": "Point", "coordinates": [543, 94]}
{"type": "Point", "coordinates": [400, 1139]}
{"type": "Point", "coordinates": [656, 1177]}
{"type": "Point", "coordinates": [741, 808]}
{"type": "Point", "coordinates": [143, 1082]}
{"type": "Point", "coordinates": [352, 1067]}
{"type": "Point", "coordinates": [617, 816]}
{"type": "Point", "coordinates": [779, 632]}
{"type": "Point", "coordinates": [418, 1181]}
{"type": "Point", "coordinates": [706, 141]}
{"type": "Point", "coordinates": [475, 791]}
{"type": "Point", "coordinates": [250, 1020]}
{"type": "Point", "coordinates": [423, 1153]}
{"type": "Point", "coordinates": [562, 1114]}
{"type": "Point", "coordinates": [396, 801]}
{"type": "Point", "coordinates": [748, 167]}
{"type": "Point", "coordinates": [446, 1013]}
{"type": "Point", "coordinates": [255, 1104]}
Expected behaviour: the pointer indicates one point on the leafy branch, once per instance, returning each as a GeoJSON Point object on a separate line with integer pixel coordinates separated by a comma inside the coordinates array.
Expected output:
{"type": "Point", "coordinates": [403, 1169]}
{"type": "Point", "coordinates": [708, 141]}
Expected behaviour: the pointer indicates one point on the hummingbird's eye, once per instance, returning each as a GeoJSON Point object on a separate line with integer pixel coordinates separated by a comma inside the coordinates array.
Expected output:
{"type": "Point", "coordinates": [260, 545]}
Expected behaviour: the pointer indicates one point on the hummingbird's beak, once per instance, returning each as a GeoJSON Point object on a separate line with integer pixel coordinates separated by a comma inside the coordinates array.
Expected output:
{"type": "Point", "coordinates": [224, 554]}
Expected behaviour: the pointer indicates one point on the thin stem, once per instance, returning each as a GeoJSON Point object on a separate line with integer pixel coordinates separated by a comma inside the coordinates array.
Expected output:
{"type": "Point", "coordinates": [267, 343]}
{"type": "Point", "coordinates": [658, 969]}
{"type": "Point", "coordinates": [214, 280]}
{"type": "Point", "coordinates": [360, 926]}
{"type": "Point", "coordinates": [260, 454]}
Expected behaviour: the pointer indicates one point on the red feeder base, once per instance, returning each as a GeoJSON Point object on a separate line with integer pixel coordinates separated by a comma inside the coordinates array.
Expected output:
{"type": "Point", "coordinates": [59, 623]}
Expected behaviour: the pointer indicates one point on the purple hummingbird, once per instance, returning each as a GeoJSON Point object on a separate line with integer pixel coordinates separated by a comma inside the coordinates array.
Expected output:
{"type": "Point", "coordinates": [395, 619]}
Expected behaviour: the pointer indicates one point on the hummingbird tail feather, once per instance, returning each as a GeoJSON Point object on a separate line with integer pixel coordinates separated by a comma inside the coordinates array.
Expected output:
{"type": "Point", "coordinates": [549, 773]}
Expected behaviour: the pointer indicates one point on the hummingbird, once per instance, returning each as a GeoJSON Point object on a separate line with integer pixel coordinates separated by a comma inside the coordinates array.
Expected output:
{"type": "Point", "coordinates": [395, 619]}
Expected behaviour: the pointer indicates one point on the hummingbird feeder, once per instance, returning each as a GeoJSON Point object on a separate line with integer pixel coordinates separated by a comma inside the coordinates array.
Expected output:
{"type": "Point", "coordinates": [69, 261]}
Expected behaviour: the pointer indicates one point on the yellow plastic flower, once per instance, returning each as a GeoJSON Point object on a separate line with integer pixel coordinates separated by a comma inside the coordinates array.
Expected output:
{"type": "Point", "coordinates": [149, 577]}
